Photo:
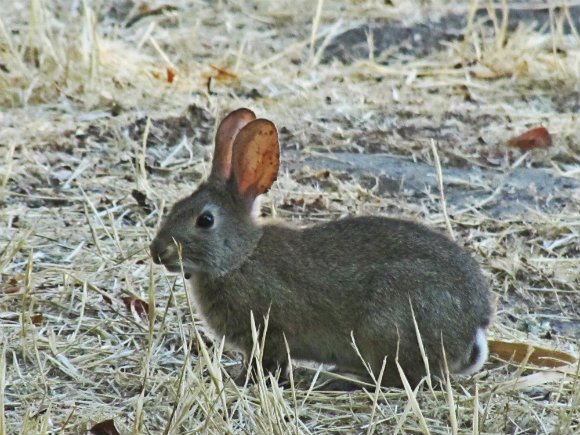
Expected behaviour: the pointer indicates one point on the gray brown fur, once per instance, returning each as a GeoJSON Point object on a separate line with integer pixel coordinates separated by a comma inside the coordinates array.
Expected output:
{"type": "Point", "coordinates": [319, 284]}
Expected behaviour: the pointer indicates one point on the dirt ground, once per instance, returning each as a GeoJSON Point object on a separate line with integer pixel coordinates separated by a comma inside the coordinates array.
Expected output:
{"type": "Point", "coordinates": [108, 111]}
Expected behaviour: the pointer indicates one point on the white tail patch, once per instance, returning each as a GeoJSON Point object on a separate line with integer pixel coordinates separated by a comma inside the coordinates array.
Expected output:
{"type": "Point", "coordinates": [478, 355]}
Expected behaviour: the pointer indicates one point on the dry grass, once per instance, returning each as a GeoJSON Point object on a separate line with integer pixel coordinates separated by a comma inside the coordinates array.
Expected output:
{"type": "Point", "coordinates": [88, 115]}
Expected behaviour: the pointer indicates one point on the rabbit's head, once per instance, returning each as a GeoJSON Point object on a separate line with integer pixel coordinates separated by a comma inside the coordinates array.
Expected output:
{"type": "Point", "coordinates": [212, 231]}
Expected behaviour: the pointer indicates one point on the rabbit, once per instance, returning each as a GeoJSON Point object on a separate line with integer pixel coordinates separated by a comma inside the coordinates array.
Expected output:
{"type": "Point", "coordinates": [363, 280]}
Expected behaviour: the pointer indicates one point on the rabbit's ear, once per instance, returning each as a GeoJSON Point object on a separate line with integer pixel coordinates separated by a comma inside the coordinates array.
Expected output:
{"type": "Point", "coordinates": [255, 159]}
{"type": "Point", "coordinates": [221, 167]}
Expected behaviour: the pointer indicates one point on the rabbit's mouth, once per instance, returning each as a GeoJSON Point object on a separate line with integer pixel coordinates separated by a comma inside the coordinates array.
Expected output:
{"type": "Point", "coordinates": [188, 268]}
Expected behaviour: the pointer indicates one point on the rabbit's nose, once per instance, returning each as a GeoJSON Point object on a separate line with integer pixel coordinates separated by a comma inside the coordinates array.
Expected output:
{"type": "Point", "coordinates": [160, 251]}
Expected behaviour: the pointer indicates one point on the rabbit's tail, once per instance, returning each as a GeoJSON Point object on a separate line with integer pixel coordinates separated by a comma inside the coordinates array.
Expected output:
{"type": "Point", "coordinates": [477, 356]}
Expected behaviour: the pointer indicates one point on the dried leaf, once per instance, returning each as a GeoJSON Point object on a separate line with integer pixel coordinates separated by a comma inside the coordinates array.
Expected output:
{"type": "Point", "coordinates": [36, 319]}
{"type": "Point", "coordinates": [13, 285]}
{"type": "Point", "coordinates": [170, 75]}
{"type": "Point", "coordinates": [483, 72]}
{"type": "Point", "coordinates": [106, 427]}
{"type": "Point", "coordinates": [541, 357]}
{"type": "Point", "coordinates": [8, 289]}
{"type": "Point", "coordinates": [289, 204]}
{"type": "Point", "coordinates": [535, 138]}
{"type": "Point", "coordinates": [531, 381]}
{"type": "Point", "coordinates": [223, 75]}
{"type": "Point", "coordinates": [144, 11]}
{"type": "Point", "coordinates": [317, 204]}
{"type": "Point", "coordinates": [137, 307]}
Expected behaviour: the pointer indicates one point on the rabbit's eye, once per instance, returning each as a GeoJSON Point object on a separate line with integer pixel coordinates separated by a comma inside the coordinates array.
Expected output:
{"type": "Point", "coordinates": [204, 220]}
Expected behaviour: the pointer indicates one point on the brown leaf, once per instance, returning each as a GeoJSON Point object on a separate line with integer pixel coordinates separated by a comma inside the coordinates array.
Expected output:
{"type": "Point", "coordinates": [483, 72]}
{"type": "Point", "coordinates": [137, 307]}
{"type": "Point", "coordinates": [538, 137]}
{"type": "Point", "coordinates": [144, 11]}
{"type": "Point", "coordinates": [106, 427]}
{"type": "Point", "coordinates": [170, 75]}
{"type": "Point", "coordinates": [297, 202]}
{"type": "Point", "coordinates": [223, 75]}
{"type": "Point", "coordinates": [517, 352]}
{"type": "Point", "coordinates": [36, 319]}
{"type": "Point", "coordinates": [8, 289]}
{"type": "Point", "coordinates": [316, 204]}
{"type": "Point", "coordinates": [13, 285]}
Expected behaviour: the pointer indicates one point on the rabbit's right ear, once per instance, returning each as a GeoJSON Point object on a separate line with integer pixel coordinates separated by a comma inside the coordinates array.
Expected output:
{"type": "Point", "coordinates": [255, 160]}
{"type": "Point", "coordinates": [221, 167]}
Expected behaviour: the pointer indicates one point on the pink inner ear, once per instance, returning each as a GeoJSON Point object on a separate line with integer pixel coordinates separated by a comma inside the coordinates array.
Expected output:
{"type": "Point", "coordinates": [225, 136]}
{"type": "Point", "coordinates": [256, 158]}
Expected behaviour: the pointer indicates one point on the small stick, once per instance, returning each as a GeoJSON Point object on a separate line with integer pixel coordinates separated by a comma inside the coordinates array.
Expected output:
{"type": "Point", "coordinates": [440, 183]}
{"type": "Point", "coordinates": [315, 24]}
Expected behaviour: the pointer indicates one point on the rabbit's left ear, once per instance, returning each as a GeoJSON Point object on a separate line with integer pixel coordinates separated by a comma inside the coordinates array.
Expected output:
{"type": "Point", "coordinates": [227, 131]}
{"type": "Point", "coordinates": [255, 160]}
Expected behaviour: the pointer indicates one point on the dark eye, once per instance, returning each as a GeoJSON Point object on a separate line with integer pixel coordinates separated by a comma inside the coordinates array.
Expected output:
{"type": "Point", "coordinates": [204, 220]}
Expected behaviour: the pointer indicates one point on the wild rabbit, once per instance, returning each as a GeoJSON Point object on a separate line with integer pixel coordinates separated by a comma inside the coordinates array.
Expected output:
{"type": "Point", "coordinates": [356, 278]}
